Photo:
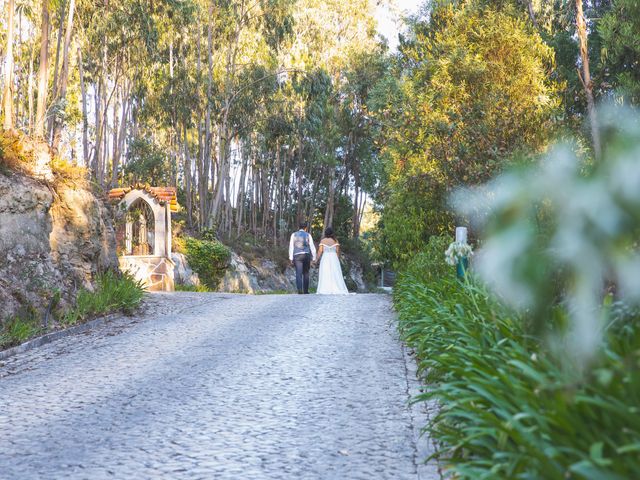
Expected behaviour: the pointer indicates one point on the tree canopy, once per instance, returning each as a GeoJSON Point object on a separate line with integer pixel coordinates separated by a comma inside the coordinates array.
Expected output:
{"type": "Point", "coordinates": [267, 112]}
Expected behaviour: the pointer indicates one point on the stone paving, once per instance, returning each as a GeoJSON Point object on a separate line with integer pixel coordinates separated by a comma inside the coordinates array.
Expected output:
{"type": "Point", "coordinates": [219, 386]}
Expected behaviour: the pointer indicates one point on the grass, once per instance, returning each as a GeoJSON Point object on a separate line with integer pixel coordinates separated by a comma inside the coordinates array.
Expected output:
{"type": "Point", "coordinates": [65, 171]}
{"type": "Point", "coordinates": [193, 288]}
{"type": "Point", "coordinates": [113, 292]}
{"type": "Point", "coordinates": [510, 408]}
{"type": "Point", "coordinates": [18, 330]}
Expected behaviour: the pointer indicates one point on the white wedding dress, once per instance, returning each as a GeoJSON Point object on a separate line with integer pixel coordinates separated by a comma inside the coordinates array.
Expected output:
{"type": "Point", "coordinates": [330, 280]}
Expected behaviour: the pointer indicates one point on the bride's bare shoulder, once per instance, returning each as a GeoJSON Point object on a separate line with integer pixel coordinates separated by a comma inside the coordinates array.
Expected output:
{"type": "Point", "coordinates": [329, 242]}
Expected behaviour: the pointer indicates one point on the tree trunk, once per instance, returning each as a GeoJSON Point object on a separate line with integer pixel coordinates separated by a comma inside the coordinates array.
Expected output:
{"type": "Point", "coordinates": [61, 94]}
{"type": "Point", "coordinates": [30, 91]}
{"type": "Point", "coordinates": [241, 190]}
{"type": "Point", "coordinates": [85, 118]}
{"type": "Point", "coordinates": [532, 13]}
{"type": "Point", "coordinates": [63, 5]}
{"type": "Point", "coordinates": [208, 135]}
{"type": "Point", "coordinates": [328, 214]}
{"type": "Point", "coordinates": [43, 71]}
{"type": "Point", "coordinates": [299, 178]}
{"type": "Point", "coordinates": [97, 153]}
{"type": "Point", "coordinates": [18, 118]}
{"type": "Point", "coordinates": [7, 94]}
{"type": "Point", "coordinates": [356, 201]}
{"type": "Point", "coordinates": [119, 145]}
{"type": "Point", "coordinates": [116, 129]}
{"type": "Point", "coordinates": [581, 25]}
{"type": "Point", "coordinates": [187, 180]}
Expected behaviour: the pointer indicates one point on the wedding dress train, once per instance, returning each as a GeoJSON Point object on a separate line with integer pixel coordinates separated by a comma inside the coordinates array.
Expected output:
{"type": "Point", "coordinates": [330, 279]}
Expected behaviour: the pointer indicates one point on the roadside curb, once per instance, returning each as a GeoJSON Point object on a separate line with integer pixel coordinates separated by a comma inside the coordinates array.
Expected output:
{"type": "Point", "coordinates": [53, 336]}
{"type": "Point", "coordinates": [421, 413]}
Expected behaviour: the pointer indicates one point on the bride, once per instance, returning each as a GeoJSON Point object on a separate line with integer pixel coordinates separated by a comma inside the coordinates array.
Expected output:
{"type": "Point", "coordinates": [330, 280]}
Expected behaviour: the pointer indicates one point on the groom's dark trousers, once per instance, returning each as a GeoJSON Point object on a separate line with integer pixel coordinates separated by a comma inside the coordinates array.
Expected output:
{"type": "Point", "coordinates": [302, 263]}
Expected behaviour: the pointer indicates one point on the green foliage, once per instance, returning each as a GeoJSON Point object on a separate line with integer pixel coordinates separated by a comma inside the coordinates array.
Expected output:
{"type": "Point", "coordinates": [564, 229]}
{"type": "Point", "coordinates": [429, 265]}
{"type": "Point", "coordinates": [621, 47]}
{"type": "Point", "coordinates": [208, 258]}
{"type": "Point", "coordinates": [508, 408]}
{"type": "Point", "coordinates": [193, 288]}
{"type": "Point", "coordinates": [477, 90]}
{"type": "Point", "coordinates": [18, 329]}
{"type": "Point", "coordinates": [471, 86]}
{"type": "Point", "coordinates": [414, 210]}
{"type": "Point", "coordinates": [147, 163]}
{"type": "Point", "coordinates": [113, 292]}
{"type": "Point", "coordinates": [529, 386]}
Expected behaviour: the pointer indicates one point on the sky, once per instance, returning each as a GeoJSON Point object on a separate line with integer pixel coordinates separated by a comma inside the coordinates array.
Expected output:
{"type": "Point", "coordinates": [389, 18]}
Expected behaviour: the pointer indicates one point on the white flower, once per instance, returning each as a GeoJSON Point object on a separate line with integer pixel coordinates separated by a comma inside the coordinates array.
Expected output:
{"type": "Point", "coordinates": [456, 251]}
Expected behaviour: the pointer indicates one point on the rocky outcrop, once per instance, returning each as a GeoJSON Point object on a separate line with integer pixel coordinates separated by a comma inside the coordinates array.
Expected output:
{"type": "Point", "coordinates": [54, 237]}
{"type": "Point", "coordinates": [239, 277]}
{"type": "Point", "coordinates": [182, 272]}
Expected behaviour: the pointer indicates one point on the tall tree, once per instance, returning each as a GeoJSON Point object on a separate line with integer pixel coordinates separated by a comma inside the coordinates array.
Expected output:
{"type": "Point", "coordinates": [61, 94]}
{"type": "Point", "coordinates": [7, 94]}
{"type": "Point", "coordinates": [585, 77]}
{"type": "Point", "coordinates": [43, 72]}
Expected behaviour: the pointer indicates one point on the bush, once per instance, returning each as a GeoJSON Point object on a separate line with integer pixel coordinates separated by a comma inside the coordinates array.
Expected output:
{"type": "Point", "coordinates": [429, 266]}
{"type": "Point", "coordinates": [509, 407]}
{"type": "Point", "coordinates": [12, 155]}
{"type": "Point", "coordinates": [114, 291]}
{"type": "Point", "coordinates": [208, 258]}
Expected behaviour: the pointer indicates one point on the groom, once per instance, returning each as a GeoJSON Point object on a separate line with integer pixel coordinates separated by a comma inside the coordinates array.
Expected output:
{"type": "Point", "coordinates": [301, 251]}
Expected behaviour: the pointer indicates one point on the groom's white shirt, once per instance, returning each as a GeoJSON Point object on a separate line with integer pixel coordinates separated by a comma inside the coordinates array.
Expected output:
{"type": "Point", "coordinates": [312, 246]}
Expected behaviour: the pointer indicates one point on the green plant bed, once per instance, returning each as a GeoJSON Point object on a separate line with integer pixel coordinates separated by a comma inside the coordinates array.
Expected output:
{"type": "Point", "coordinates": [18, 330]}
{"type": "Point", "coordinates": [509, 408]}
{"type": "Point", "coordinates": [113, 292]}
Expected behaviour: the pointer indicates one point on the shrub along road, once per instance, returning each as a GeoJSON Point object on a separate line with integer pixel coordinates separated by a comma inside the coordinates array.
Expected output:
{"type": "Point", "coordinates": [219, 386]}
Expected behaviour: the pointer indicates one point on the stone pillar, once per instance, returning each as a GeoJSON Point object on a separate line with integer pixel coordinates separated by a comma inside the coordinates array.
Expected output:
{"type": "Point", "coordinates": [128, 236]}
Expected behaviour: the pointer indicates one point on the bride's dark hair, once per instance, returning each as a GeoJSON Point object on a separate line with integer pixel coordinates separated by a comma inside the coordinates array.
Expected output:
{"type": "Point", "coordinates": [328, 233]}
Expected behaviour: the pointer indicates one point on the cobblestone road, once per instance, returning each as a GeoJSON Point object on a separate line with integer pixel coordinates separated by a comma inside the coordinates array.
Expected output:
{"type": "Point", "coordinates": [217, 386]}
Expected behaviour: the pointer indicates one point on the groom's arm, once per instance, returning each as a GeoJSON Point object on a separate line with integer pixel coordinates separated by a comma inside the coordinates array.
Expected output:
{"type": "Point", "coordinates": [291, 248]}
{"type": "Point", "coordinates": [312, 245]}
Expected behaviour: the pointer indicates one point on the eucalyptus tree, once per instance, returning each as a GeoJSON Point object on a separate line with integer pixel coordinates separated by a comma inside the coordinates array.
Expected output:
{"type": "Point", "coordinates": [255, 108]}
{"type": "Point", "coordinates": [43, 70]}
{"type": "Point", "coordinates": [7, 92]}
{"type": "Point", "coordinates": [60, 91]}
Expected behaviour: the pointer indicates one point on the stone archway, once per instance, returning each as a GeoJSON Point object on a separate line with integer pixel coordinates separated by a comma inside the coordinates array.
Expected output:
{"type": "Point", "coordinates": [144, 234]}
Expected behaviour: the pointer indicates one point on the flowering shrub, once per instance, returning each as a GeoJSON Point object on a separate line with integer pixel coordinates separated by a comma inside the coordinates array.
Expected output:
{"type": "Point", "coordinates": [456, 251]}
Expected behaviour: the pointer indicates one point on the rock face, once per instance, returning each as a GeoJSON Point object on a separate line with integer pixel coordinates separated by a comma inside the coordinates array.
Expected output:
{"type": "Point", "coordinates": [52, 239]}
{"type": "Point", "coordinates": [182, 273]}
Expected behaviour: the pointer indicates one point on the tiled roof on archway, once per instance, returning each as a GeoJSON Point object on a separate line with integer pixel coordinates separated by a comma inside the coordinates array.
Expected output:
{"type": "Point", "coordinates": [161, 194]}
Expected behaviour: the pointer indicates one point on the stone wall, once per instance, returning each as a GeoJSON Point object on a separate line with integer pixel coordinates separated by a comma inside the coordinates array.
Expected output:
{"type": "Point", "coordinates": [54, 237]}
